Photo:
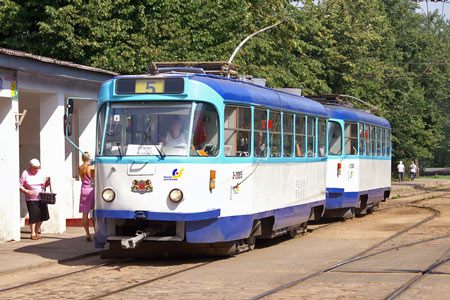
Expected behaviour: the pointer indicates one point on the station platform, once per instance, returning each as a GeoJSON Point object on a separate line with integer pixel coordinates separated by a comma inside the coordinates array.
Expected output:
{"type": "Point", "coordinates": [27, 254]}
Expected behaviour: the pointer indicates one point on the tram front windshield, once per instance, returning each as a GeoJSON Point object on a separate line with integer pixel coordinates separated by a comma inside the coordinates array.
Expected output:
{"type": "Point", "coordinates": [157, 129]}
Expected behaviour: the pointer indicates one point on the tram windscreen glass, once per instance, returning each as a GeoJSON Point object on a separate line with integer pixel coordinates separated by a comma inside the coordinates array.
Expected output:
{"type": "Point", "coordinates": [147, 129]}
{"type": "Point", "coordinates": [150, 86]}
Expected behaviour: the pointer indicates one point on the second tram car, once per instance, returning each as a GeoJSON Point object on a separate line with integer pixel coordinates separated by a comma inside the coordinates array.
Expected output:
{"type": "Point", "coordinates": [359, 163]}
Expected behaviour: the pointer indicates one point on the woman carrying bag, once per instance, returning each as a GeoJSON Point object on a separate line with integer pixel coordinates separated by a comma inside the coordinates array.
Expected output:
{"type": "Point", "coordinates": [32, 183]}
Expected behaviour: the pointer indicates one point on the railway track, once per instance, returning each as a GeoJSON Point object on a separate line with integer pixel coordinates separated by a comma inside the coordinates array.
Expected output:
{"type": "Point", "coordinates": [445, 258]}
{"type": "Point", "coordinates": [126, 266]}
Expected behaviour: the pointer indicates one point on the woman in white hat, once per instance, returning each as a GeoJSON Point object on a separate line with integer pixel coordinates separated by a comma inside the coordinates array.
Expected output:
{"type": "Point", "coordinates": [32, 182]}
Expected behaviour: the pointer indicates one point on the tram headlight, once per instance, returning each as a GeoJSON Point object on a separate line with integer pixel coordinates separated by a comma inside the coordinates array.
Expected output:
{"type": "Point", "coordinates": [176, 195]}
{"type": "Point", "coordinates": [108, 194]}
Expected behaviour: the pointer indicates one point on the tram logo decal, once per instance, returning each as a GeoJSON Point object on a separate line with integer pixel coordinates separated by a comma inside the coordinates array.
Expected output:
{"type": "Point", "coordinates": [175, 174]}
{"type": "Point", "coordinates": [142, 186]}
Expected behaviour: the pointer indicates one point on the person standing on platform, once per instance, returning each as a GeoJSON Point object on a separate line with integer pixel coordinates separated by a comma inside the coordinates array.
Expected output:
{"type": "Point", "coordinates": [401, 171]}
{"type": "Point", "coordinates": [87, 195]}
{"type": "Point", "coordinates": [412, 170]}
{"type": "Point", "coordinates": [32, 182]}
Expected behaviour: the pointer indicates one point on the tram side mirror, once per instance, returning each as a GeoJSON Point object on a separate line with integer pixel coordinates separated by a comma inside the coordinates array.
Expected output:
{"type": "Point", "coordinates": [70, 106]}
{"type": "Point", "coordinates": [68, 125]}
{"type": "Point", "coordinates": [68, 117]}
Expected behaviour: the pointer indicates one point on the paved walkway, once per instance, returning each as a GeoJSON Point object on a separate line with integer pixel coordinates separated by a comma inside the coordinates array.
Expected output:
{"type": "Point", "coordinates": [59, 248]}
{"type": "Point", "coordinates": [51, 249]}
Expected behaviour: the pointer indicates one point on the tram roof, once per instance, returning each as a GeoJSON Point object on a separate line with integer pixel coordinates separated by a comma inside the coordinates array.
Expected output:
{"type": "Point", "coordinates": [248, 93]}
{"type": "Point", "coordinates": [350, 114]}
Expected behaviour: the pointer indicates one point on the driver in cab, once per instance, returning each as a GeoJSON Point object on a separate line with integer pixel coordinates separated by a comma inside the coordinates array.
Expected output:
{"type": "Point", "coordinates": [175, 137]}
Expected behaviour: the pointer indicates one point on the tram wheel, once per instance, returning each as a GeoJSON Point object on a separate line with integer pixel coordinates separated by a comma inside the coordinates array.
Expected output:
{"type": "Point", "coordinates": [297, 229]}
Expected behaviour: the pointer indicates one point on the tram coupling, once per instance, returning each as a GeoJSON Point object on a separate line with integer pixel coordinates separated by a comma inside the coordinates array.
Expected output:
{"type": "Point", "coordinates": [131, 243]}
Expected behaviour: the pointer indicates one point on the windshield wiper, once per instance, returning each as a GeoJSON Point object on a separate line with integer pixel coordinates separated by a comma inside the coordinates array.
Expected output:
{"type": "Point", "coordinates": [116, 135]}
{"type": "Point", "coordinates": [148, 135]}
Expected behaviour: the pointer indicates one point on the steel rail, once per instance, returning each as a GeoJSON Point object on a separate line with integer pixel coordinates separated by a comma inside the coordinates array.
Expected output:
{"type": "Point", "coordinates": [406, 286]}
{"type": "Point", "coordinates": [58, 276]}
{"type": "Point", "coordinates": [356, 257]}
{"type": "Point", "coordinates": [109, 293]}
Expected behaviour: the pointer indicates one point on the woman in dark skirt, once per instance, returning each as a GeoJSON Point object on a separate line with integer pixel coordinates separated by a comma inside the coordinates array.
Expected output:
{"type": "Point", "coordinates": [32, 182]}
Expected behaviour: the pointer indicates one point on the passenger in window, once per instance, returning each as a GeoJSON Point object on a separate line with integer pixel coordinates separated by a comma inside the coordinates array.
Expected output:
{"type": "Point", "coordinates": [242, 146]}
{"type": "Point", "coordinates": [260, 146]}
{"type": "Point", "coordinates": [322, 151]}
{"type": "Point", "coordinates": [298, 149]}
{"type": "Point", "coordinates": [175, 137]}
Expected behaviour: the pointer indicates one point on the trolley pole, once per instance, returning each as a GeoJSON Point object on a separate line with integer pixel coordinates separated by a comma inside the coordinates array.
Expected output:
{"type": "Point", "coordinates": [249, 37]}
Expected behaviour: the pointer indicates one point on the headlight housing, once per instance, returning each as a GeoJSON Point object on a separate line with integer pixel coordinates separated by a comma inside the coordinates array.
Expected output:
{"type": "Point", "coordinates": [108, 194]}
{"type": "Point", "coordinates": [176, 195]}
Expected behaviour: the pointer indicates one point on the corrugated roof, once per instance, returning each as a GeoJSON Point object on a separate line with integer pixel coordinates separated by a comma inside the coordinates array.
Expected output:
{"type": "Point", "coordinates": [54, 61]}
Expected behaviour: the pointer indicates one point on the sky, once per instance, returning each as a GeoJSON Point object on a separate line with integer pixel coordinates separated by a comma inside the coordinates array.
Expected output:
{"type": "Point", "coordinates": [432, 6]}
{"type": "Point", "coordinates": [442, 8]}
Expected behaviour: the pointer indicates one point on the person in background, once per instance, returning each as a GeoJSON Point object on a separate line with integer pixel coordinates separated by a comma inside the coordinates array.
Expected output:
{"type": "Point", "coordinates": [32, 182]}
{"type": "Point", "coordinates": [87, 196]}
{"type": "Point", "coordinates": [400, 171]}
{"type": "Point", "coordinates": [412, 170]}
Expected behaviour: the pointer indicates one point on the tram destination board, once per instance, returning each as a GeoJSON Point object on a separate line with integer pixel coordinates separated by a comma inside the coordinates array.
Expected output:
{"type": "Point", "coordinates": [150, 85]}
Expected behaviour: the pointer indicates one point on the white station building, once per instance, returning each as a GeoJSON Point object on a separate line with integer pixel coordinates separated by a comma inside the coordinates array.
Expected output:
{"type": "Point", "coordinates": [33, 93]}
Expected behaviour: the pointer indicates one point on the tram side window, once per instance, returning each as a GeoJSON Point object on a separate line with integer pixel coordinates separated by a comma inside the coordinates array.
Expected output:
{"type": "Point", "coordinates": [205, 131]}
{"type": "Point", "coordinates": [311, 137]}
{"type": "Point", "coordinates": [385, 141]}
{"type": "Point", "coordinates": [367, 139]}
{"type": "Point", "coordinates": [388, 143]}
{"type": "Point", "coordinates": [322, 137]}
{"type": "Point", "coordinates": [334, 138]}
{"type": "Point", "coordinates": [351, 138]}
{"type": "Point", "coordinates": [237, 130]}
{"type": "Point", "coordinates": [288, 134]}
{"type": "Point", "coordinates": [379, 139]}
{"type": "Point", "coordinates": [373, 140]}
{"type": "Point", "coordinates": [300, 136]}
{"type": "Point", "coordinates": [275, 133]}
{"type": "Point", "coordinates": [260, 130]}
{"type": "Point", "coordinates": [362, 140]}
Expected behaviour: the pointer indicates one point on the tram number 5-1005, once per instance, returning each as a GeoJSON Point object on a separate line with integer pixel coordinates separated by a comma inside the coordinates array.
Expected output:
{"type": "Point", "coordinates": [237, 175]}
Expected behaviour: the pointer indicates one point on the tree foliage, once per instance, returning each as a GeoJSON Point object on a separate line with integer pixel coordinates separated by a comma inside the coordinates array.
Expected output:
{"type": "Point", "coordinates": [381, 51]}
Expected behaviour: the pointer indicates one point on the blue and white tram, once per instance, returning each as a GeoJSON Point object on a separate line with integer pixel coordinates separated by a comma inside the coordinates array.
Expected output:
{"type": "Point", "coordinates": [246, 161]}
{"type": "Point", "coordinates": [359, 161]}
